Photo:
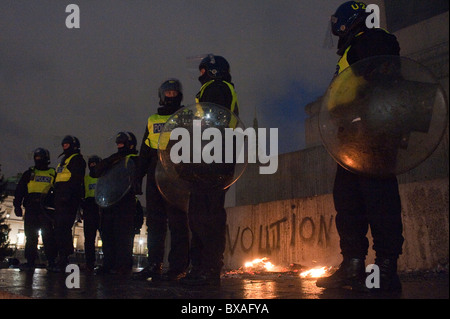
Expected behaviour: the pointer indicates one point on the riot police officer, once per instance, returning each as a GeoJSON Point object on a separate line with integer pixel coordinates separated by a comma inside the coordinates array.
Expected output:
{"type": "Point", "coordinates": [139, 215]}
{"type": "Point", "coordinates": [207, 215]}
{"type": "Point", "coordinates": [161, 213]}
{"type": "Point", "coordinates": [90, 214]}
{"type": "Point", "coordinates": [33, 184]}
{"type": "Point", "coordinates": [68, 196]}
{"type": "Point", "coordinates": [117, 220]}
{"type": "Point", "coordinates": [362, 201]}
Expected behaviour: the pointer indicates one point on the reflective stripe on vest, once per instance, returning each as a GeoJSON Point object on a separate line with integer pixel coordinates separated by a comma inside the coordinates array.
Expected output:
{"type": "Point", "coordinates": [89, 186]}
{"type": "Point", "coordinates": [127, 158]}
{"type": "Point", "coordinates": [40, 181]}
{"type": "Point", "coordinates": [343, 61]}
{"type": "Point", "coordinates": [155, 124]}
{"type": "Point", "coordinates": [62, 173]}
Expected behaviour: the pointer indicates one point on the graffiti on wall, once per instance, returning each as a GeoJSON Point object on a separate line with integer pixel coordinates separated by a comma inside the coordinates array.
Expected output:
{"type": "Point", "coordinates": [268, 238]}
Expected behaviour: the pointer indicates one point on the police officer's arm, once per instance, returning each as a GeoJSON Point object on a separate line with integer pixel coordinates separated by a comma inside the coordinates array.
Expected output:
{"type": "Point", "coordinates": [144, 160]}
{"type": "Point", "coordinates": [146, 154]}
{"type": "Point", "coordinates": [21, 192]}
{"type": "Point", "coordinates": [373, 43]}
{"type": "Point", "coordinates": [104, 165]}
{"type": "Point", "coordinates": [83, 198]}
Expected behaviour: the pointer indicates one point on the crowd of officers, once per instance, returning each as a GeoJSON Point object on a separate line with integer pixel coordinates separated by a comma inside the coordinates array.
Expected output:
{"type": "Point", "coordinates": [55, 198]}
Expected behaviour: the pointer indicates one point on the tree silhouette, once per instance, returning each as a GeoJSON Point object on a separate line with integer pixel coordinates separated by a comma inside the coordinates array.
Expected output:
{"type": "Point", "coordinates": [4, 228]}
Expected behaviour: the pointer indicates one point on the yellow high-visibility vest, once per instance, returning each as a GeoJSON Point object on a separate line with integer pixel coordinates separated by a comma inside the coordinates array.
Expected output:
{"type": "Point", "coordinates": [40, 181]}
{"type": "Point", "coordinates": [155, 125]}
{"type": "Point", "coordinates": [62, 173]}
{"type": "Point", "coordinates": [343, 61]}
{"type": "Point", "coordinates": [344, 88]}
{"type": "Point", "coordinates": [89, 186]}
{"type": "Point", "coordinates": [234, 101]}
{"type": "Point", "coordinates": [234, 107]}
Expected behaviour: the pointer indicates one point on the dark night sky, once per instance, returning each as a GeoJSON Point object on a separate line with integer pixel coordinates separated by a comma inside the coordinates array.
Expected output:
{"type": "Point", "coordinates": [103, 78]}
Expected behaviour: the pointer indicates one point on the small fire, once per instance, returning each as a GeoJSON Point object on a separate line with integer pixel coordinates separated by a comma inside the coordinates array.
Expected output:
{"type": "Point", "coordinates": [261, 264]}
{"type": "Point", "coordinates": [315, 272]}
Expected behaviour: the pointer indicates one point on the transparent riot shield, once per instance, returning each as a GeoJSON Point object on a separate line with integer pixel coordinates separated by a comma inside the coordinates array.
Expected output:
{"type": "Point", "coordinates": [383, 116]}
{"type": "Point", "coordinates": [202, 148]}
{"type": "Point", "coordinates": [115, 183]}
{"type": "Point", "coordinates": [171, 189]}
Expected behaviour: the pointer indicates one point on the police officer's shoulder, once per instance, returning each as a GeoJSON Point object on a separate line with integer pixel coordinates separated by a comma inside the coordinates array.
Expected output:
{"type": "Point", "coordinates": [28, 172]}
{"type": "Point", "coordinates": [375, 36]}
{"type": "Point", "coordinates": [77, 160]}
{"type": "Point", "coordinates": [373, 42]}
{"type": "Point", "coordinates": [219, 83]}
{"type": "Point", "coordinates": [217, 87]}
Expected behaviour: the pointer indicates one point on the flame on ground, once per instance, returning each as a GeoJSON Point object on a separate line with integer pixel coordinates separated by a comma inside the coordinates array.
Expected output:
{"type": "Point", "coordinates": [315, 272]}
{"type": "Point", "coordinates": [262, 264]}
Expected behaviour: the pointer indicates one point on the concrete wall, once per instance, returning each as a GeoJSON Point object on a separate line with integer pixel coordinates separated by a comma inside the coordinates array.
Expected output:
{"type": "Point", "coordinates": [303, 230]}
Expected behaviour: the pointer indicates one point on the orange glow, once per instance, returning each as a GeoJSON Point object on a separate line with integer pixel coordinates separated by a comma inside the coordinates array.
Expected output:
{"type": "Point", "coordinates": [261, 264]}
{"type": "Point", "coordinates": [315, 272]}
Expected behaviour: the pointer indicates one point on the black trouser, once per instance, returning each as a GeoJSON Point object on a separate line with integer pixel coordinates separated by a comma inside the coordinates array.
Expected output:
{"type": "Point", "coordinates": [207, 221]}
{"type": "Point", "coordinates": [159, 215]}
{"type": "Point", "coordinates": [91, 223]}
{"type": "Point", "coordinates": [361, 202]}
{"type": "Point", "coordinates": [34, 220]}
{"type": "Point", "coordinates": [117, 232]}
{"type": "Point", "coordinates": [65, 215]}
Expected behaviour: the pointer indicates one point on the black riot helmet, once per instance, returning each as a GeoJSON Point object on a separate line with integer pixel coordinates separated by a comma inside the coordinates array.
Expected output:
{"type": "Point", "coordinates": [133, 143]}
{"type": "Point", "coordinates": [125, 139]}
{"type": "Point", "coordinates": [41, 157]}
{"type": "Point", "coordinates": [74, 144]}
{"type": "Point", "coordinates": [170, 85]}
{"type": "Point", "coordinates": [349, 16]}
{"type": "Point", "coordinates": [216, 68]}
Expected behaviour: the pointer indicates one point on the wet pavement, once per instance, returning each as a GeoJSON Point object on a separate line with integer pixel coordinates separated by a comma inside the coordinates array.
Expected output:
{"type": "Point", "coordinates": [41, 284]}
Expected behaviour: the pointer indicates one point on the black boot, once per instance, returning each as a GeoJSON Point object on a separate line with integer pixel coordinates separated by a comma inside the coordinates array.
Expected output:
{"type": "Point", "coordinates": [28, 266]}
{"type": "Point", "coordinates": [389, 280]}
{"type": "Point", "coordinates": [351, 273]}
{"type": "Point", "coordinates": [173, 275]}
{"type": "Point", "coordinates": [153, 271]}
{"type": "Point", "coordinates": [202, 277]}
